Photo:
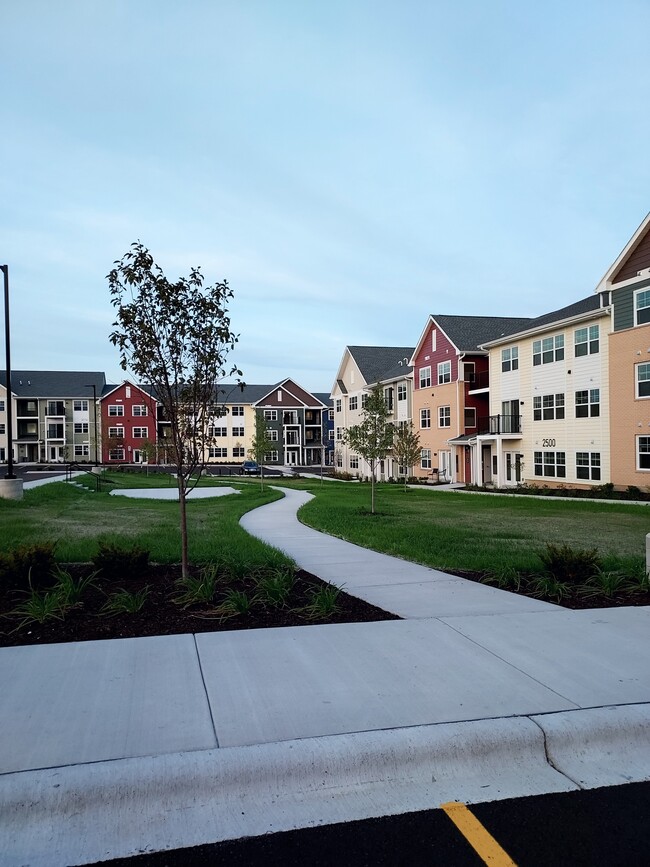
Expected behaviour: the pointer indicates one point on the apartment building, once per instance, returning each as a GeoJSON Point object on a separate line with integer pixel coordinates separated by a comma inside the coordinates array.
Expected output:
{"type": "Point", "coordinates": [295, 421]}
{"type": "Point", "coordinates": [549, 401]}
{"type": "Point", "coordinates": [361, 368]}
{"type": "Point", "coordinates": [55, 416]}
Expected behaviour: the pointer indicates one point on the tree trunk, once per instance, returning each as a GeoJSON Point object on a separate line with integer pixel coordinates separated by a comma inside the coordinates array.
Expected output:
{"type": "Point", "coordinates": [183, 513]}
{"type": "Point", "coordinates": [372, 488]}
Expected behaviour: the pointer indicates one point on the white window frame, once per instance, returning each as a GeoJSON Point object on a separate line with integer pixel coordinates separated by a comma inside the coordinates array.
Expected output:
{"type": "Point", "coordinates": [270, 415]}
{"type": "Point", "coordinates": [509, 359]}
{"type": "Point", "coordinates": [425, 418]}
{"type": "Point", "coordinates": [549, 463]}
{"type": "Point", "coordinates": [354, 462]}
{"type": "Point", "coordinates": [237, 410]}
{"type": "Point", "coordinates": [140, 410]}
{"type": "Point", "coordinates": [353, 402]}
{"type": "Point", "coordinates": [642, 306]}
{"type": "Point", "coordinates": [140, 433]}
{"type": "Point", "coordinates": [586, 341]}
{"type": "Point", "coordinates": [272, 435]}
{"type": "Point", "coordinates": [116, 454]}
{"type": "Point", "coordinates": [238, 431]}
{"type": "Point", "coordinates": [548, 407]}
{"type": "Point", "coordinates": [80, 405]}
{"type": "Point", "coordinates": [645, 440]}
{"type": "Point", "coordinates": [444, 372]}
{"type": "Point", "coordinates": [591, 404]}
{"type": "Point", "coordinates": [425, 459]}
{"type": "Point", "coordinates": [238, 452]}
{"type": "Point", "coordinates": [81, 451]}
{"type": "Point", "coordinates": [116, 432]}
{"type": "Point", "coordinates": [588, 466]}
{"type": "Point", "coordinates": [548, 349]}
{"type": "Point", "coordinates": [271, 457]}
{"type": "Point", "coordinates": [116, 410]}
{"type": "Point", "coordinates": [81, 427]}
{"type": "Point", "coordinates": [642, 375]}
{"type": "Point", "coordinates": [424, 377]}
{"type": "Point", "coordinates": [218, 451]}
{"type": "Point", "coordinates": [401, 391]}
{"type": "Point", "coordinates": [444, 416]}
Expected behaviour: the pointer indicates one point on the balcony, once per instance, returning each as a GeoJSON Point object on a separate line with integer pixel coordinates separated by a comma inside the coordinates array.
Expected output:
{"type": "Point", "coordinates": [478, 381]}
{"type": "Point", "coordinates": [55, 407]}
{"type": "Point", "coordinates": [499, 425]}
{"type": "Point", "coordinates": [26, 409]}
{"type": "Point", "coordinates": [56, 431]}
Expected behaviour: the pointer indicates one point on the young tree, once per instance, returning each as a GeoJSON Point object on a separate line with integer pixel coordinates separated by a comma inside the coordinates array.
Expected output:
{"type": "Point", "coordinates": [406, 447]}
{"type": "Point", "coordinates": [373, 437]}
{"type": "Point", "coordinates": [175, 337]}
{"type": "Point", "coordinates": [260, 444]}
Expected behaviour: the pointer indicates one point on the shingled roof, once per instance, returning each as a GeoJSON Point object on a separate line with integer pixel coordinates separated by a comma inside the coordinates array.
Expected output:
{"type": "Point", "coordinates": [467, 333]}
{"type": "Point", "coordinates": [578, 308]}
{"type": "Point", "coordinates": [378, 363]}
{"type": "Point", "coordinates": [54, 383]}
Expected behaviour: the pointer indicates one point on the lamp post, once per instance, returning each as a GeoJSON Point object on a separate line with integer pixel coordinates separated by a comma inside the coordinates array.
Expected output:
{"type": "Point", "coordinates": [12, 487]}
{"type": "Point", "coordinates": [94, 388]}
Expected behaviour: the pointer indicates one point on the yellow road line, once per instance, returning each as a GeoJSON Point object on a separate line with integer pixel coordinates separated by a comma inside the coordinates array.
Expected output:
{"type": "Point", "coordinates": [479, 839]}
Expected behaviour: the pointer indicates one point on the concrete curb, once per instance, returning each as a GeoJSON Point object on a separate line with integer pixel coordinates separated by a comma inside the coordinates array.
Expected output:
{"type": "Point", "coordinates": [84, 813]}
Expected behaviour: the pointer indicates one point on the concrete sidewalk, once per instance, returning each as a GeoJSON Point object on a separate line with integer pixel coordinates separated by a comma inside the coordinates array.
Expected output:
{"type": "Point", "coordinates": [110, 748]}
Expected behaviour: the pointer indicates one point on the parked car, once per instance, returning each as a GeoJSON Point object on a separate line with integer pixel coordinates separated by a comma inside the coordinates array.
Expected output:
{"type": "Point", "coordinates": [249, 468]}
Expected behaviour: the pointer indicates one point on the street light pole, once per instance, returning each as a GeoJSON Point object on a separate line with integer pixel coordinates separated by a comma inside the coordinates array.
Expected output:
{"type": "Point", "coordinates": [10, 419]}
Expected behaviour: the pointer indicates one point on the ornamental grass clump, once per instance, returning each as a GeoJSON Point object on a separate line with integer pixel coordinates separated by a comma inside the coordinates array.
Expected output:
{"type": "Point", "coordinates": [124, 602]}
{"type": "Point", "coordinates": [572, 566]}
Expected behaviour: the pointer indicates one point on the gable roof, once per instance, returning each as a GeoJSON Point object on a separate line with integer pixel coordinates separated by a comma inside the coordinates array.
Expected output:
{"type": "Point", "coordinates": [467, 333]}
{"type": "Point", "coordinates": [625, 265]}
{"type": "Point", "coordinates": [54, 383]}
{"type": "Point", "coordinates": [377, 363]}
{"type": "Point", "coordinates": [291, 387]}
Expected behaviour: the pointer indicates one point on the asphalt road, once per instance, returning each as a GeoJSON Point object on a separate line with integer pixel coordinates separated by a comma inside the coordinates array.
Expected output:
{"type": "Point", "coordinates": [597, 828]}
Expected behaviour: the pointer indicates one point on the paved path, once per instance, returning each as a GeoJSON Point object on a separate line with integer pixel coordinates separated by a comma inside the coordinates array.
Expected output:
{"type": "Point", "coordinates": [120, 746]}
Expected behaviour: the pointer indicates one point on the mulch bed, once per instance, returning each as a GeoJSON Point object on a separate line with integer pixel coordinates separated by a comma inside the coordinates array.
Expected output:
{"type": "Point", "coordinates": [575, 600]}
{"type": "Point", "coordinates": [162, 616]}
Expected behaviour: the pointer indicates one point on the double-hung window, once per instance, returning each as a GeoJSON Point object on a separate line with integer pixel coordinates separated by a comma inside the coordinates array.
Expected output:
{"type": "Point", "coordinates": [548, 407]}
{"type": "Point", "coordinates": [444, 372]}
{"type": "Point", "coordinates": [116, 409]}
{"type": "Point", "coordinates": [425, 377]}
{"type": "Point", "coordinates": [425, 418]}
{"type": "Point", "coordinates": [353, 402]}
{"type": "Point", "coordinates": [548, 350]}
{"type": "Point", "coordinates": [586, 341]}
{"type": "Point", "coordinates": [588, 402]}
{"type": "Point", "coordinates": [510, 359]}
{"type": "Point", "coordinates": [425, 459]}
{"type": "Point", "coordinates": [643, 379]}
{"type": "Point", "coordinates": [643, 453]}
{"type": "Point", "coordinates": [444, 416]}
{"type": "Point", "coordinates": [588, 465]}
{"type": "Point", "coordinates": [642, 306]}
{"type": "Point", "coordinates": [550, 464]}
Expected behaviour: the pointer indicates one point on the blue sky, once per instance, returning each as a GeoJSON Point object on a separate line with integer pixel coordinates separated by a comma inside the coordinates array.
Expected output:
{"type": "Point", "coordinates": [349, 167]}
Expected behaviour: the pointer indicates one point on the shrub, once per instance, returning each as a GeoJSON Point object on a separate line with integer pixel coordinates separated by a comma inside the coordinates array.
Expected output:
{"type": "Point", "coordinates": [566, 564]}
{"type": "Point", "coordinates": [548, 587]}
{"type": "Point", "coordinates": [28, 567]}
{"type": "Point", "coordinates": [198, 589]}
{"type": "Point", "coordinates": [120, 563]}
{"type": "Point", "coordinates": [123, 602]}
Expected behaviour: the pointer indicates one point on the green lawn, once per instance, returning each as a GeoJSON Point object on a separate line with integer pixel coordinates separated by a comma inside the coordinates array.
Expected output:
{"type": "Point", "coordinates": [474, 532]}
{"type": "Point", "coordinates": [76, 519]}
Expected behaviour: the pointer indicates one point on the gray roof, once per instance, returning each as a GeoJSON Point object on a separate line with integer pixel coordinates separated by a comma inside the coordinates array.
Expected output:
{"type": "Point", "coordinates": [586, 305]}
{"type": "Point", "coordinates": [467, 333]}
{"type": "Point", "coordinates": [378, 363]}
{"type": "Point", "coordinates": [324, 397]}
{"type": "Point", "coordinates": [54, 383]}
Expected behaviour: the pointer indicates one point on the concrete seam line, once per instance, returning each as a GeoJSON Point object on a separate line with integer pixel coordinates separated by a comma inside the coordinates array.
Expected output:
{"type": "Point", "coordinates": [548, 756]}
{"type": "Point", "coordinates": [205, 690]}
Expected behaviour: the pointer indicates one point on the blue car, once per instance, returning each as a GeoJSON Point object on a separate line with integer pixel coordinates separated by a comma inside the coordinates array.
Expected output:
{"type": "Point", "coordinates": [250, 468]}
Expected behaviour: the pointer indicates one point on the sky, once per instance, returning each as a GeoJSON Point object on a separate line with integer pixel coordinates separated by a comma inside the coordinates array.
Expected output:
{"type": "Point", "coordinates": [349, 167]}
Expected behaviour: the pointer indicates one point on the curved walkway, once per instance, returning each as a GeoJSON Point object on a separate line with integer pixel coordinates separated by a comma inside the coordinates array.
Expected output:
{"type": "Point", "coordinates": [407, 589]}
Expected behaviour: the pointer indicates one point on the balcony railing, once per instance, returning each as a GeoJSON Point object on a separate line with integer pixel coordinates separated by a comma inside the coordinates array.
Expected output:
{"type": "Point", "coordinates": [499, 424]}
{"type": "Point", "coordinates": [479, 380]}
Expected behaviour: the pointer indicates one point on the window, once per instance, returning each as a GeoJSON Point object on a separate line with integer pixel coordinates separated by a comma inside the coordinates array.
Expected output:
{"type": "Point", "coordinates": [270, 415]}
{"type": "Point", "coordinates": [140, 433]}
{"type": "Point", "coordinates": [444, 372]}
{"type": "Point", "coordinates": [330, 414]}
{"type": "Point", "coordinates": [548, 350]}
{"type": "Point", "coordinates": [2, 406]}
{"type": "Point", "coordinates": [425, 377]}
{"type": "Point", "coordinates": [80, 406]}
{"type": "Point", "coordinates": [3, 428]}
{"type": "Point", "coordinates": [551, 464]}
{"type": "Point", "coordinates": [271, 457]}
{"type": "Point", "coordinates": [116, 454]}
{"type": "Point", "coordinates": [218, 452]}
{"type": "Point", "coordinates": [401, 392]}
{"type": "Point", "coordinates": [588, 403]}
{"type": "Point", "coordinates": [339, 433]}
{"type": "Point", "coordinates": [425, 459]}
{"type": "Point", "coordinates": [470, 416]}
{"type": "Point", "coordinates": [642, 306]}
{"type": "Point", "coordinates": [81, 451]}
{"type": "Point", "coordinates": [643, 453]}
{"type": "Point", "coordinates": [510, 359]}
{"type": "Point", "coordinates": [353, 402]}
{"type": "Point", "coordinates": [444, 416]}
{"type": "Point", "coordinates": [55, 431]}
{"type": "Point", "coordinates": [643, 380]}
{"type": "Point", "coordinates": [469, 371]}
{"type": "Point", "coordinates": [238, 431]}
{"type": "Point", "coordinates": [330, 435]}
{"type": "Point", "coordinates": [272, 436]}
{"type": "Point", "coordinates": [116, 409]}
{"type": "Point", "coordinates": [548, 407]}
{"type": "Point", "coordinates": [354, 463]}
{"type": "Point", "coordinates": [238, 452]}
{"type": "Point", "coordinates": [81, 427]}
{"type": "Point", "coordinates": [425, 418]}
{"type": "Point", "coordinates": [116, 431]}
{"type": "Point", "coordinates": [338, 406]}
{"type": "Point", "coordinates": [588, 465]}
{"type": "Point", "coordinates": [339, 460]}
{"type": "Point", "coordinates": [140, 409]}
{"type": "Point", "coordinates": [364, 400]}
{"type": "Point", "coordinates": [388, 398]}
{"type": "Point", "coordinates": [587, 341]}
{"type": "Point", "coordinates": [214, 431]}
{"type": "Point", "coordinates": [237, 410]}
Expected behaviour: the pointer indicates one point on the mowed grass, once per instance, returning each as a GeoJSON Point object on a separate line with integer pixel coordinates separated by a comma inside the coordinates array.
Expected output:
{"type": "Point", "coordinates": [475, 532]}
{"type": "Point", "coordinates": [77, 519]}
